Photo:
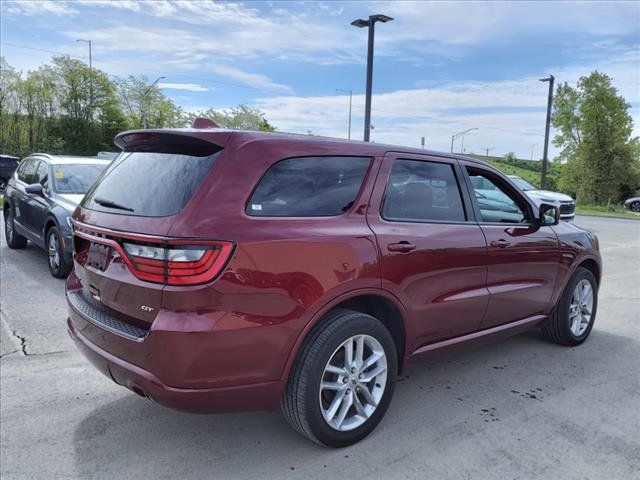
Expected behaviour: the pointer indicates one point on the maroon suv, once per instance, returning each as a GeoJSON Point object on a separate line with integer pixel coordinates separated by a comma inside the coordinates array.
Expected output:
{"type": "Point", "coordinates": [219, 270]}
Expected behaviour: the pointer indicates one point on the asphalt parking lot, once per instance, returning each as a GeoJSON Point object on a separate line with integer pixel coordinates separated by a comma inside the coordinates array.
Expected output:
{"type": "Point", "coordinates": [520, 409]}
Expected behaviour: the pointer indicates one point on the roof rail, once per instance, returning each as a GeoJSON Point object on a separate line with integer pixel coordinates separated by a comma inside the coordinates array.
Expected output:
{"type": "Point", "coordinates": [40, 155]}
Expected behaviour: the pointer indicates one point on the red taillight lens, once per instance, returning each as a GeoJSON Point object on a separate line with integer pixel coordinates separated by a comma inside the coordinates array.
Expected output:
{"type": "Point", "coordinates": [178, 264]}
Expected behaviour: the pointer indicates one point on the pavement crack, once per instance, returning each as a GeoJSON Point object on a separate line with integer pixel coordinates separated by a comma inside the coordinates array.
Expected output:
{"type": "Point", "coordinates": [23, 342]}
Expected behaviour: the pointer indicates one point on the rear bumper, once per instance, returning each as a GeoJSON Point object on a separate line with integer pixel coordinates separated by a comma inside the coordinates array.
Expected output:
{"type": "Point", "coordinates": [255, 396]}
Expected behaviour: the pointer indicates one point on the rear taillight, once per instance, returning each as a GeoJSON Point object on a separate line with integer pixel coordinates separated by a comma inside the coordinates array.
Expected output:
{"type": "Point", "coordinates": [175, 263]}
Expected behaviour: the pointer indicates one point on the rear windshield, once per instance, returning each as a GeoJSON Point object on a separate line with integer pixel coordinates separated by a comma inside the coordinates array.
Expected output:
{"type": "Point", "coordinates": [148, 184]}
{"type": "Point", "coordinates": [75, 179]}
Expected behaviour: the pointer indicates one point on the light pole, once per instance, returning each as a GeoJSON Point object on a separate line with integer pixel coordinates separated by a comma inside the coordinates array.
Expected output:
{"type": "Point", "coordinates": [361, 23]}
{"type": "Point", "coordinates": [350, 92]}
{"type": "Point", "coordinates": [460, 134]}
{"type": "Point", "coordinates": [144, 96]}
{"type": "Point", "coordinates": [545, 157]}
{"type": "Point", "coordinates": [533, 147]}
{"type": "Point", "coordinates": [90, 69]}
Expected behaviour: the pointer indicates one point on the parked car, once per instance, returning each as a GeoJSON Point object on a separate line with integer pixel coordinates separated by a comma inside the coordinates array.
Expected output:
{"type": "Point", "coordinates": [307, 273]}
{"type": "Point", "coordinates": [566, 204]}
{"type": "Point", "coordinates": [40, 197]}
{"type": "Point", "coordinates": [8, 165]}
{"type": "Point", "coordinates": [633, 204]}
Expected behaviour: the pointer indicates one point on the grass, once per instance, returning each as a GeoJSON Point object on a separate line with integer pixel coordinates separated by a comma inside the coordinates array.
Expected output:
{"type": "Point", "coordinates": [616, 211]}
{"type": "Point", "coordinates": [530, 176]}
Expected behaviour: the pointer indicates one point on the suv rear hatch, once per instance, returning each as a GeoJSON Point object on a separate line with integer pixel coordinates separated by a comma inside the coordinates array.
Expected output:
{"type": "Point", "coordinates": [123, 257]}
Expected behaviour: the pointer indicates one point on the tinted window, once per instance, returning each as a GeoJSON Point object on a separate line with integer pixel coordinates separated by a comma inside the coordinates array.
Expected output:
{"type": "Point", "coordinates": [422, 191]}
{"type": "Point", "coordinates": [75, 179]}
{"type": "Point", "coordinates": [148, 184]}
{"type": "Point", "coordinates": [497, 204]}
{"type": "Point", "coordinates": [308, 187]}
{"type": "Point", "coordinates": [27, 170]}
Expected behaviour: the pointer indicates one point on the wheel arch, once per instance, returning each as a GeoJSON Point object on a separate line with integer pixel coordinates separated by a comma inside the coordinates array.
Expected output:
{"type": "Point", "coordinates": [378, 303]}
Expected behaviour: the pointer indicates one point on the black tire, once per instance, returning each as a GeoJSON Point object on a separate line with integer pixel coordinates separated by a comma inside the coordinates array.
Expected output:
{"type": "Point", "coordinates": [58, 265]}
{"type": "Point", "coordinates": [635, 206]}
{"type": "Point", "coordinates": [558, 328]}
{"type": "Point", "coordinates": [301, 405]}
{"type": "Point", "coordinates": [14, 239]}
{"type": "Point", "coordinates": [3, 186]}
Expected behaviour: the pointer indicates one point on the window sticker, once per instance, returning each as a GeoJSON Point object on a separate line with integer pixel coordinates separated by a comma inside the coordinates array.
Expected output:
{"type": "Point", "coordinates": [59, 174]}
{"type": "Point", "coordinates": [256, 206]}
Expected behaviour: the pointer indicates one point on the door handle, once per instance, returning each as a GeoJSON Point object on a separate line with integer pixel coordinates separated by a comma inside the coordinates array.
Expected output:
{"type": "Point", "coordinates": [502, 243]}
{"type": "Point", "coordinates": [401, 247]}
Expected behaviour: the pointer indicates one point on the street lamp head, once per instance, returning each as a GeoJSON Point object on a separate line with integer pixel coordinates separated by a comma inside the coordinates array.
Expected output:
{"type": "Point", "coordinates": [360, 23]}
{"type": "Point", "coordinates": [380, 18]}
{"type": "Point", "coordinates": [548, 79]}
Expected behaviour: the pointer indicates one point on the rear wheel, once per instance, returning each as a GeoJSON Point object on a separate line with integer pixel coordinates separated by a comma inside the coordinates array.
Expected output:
{"type": "Point", "coordinates": [342, 382]}
{"type": "Point", "coordinates": [58, 265]}
{"type": "Point", "coordinates": [635, 206]}
{"type": "Point", "coordinates": [14, 239]}
{"type": "Point", "coordinates": [575, 313]}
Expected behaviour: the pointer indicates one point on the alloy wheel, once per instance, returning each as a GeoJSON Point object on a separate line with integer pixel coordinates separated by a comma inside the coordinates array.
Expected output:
{"type": "Point", "coordinates": [581, 307]}
{"type": "Point", "coordinates": [54, 254]}
{"type": "Point", "coordinates": [353, 382]}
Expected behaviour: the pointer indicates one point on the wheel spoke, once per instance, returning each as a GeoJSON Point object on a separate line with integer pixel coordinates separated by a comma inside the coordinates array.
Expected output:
{"type": "Point", "coordinates": [348, 355]}
{"type": "Point", "coordinates": [359, 351]}
{"type": "Point", "coordinates": [370, 375]}
{"type": "Point", "coordinates": [335, 405]}
{"type": "Point", "coordinates": [368, 397]}
{"type": "Point", "coordinates": [333, 369]}
{"type": "Point", "coordinates": [588, 297]}
{"type": "Point", "coordinates": [344, 409]}
{"type": "Point", "coordinates": [371, 359]}
{"type": "Point", "coordinates": [359, 407]}
{"type": "Point", "coordinates": [332, 386]}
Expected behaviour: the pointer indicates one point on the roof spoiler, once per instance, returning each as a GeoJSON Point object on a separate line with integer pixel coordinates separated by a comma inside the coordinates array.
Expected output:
{"type": "Point", "coordinates": [203, 122]}
{"type": "Point", "coordinates": [165, 142]}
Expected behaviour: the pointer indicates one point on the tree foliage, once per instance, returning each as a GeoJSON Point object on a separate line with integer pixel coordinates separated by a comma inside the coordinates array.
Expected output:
{"type": "Point", "coordinates": [594, 132]}
{"type": "Point", "coordinates": [66, 107]}
{"type": "Point", "coordinates": [241, 117]}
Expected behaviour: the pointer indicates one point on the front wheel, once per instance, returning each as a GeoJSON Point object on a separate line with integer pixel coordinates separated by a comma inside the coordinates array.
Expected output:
{"type": "Point", "coordinates": [342, 381]}
{"type": "Point", "coordinates": [13, 238]}
{"type": "Point", "coordinates": [575, 313]}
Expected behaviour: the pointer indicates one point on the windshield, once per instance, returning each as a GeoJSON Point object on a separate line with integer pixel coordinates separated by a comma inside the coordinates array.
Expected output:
{"type": "Point", "coordinates": [75, 179]}
{"type": "Point", "coordinates": [523, 184]}
{"type": "Point", "coordinates": [148, 184]}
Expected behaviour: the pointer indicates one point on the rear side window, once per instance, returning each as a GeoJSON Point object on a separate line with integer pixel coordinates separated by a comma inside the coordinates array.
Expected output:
{"type": "Point", "coordinates": [421, 191]}
{"type": "Point", "coordinates": [148, 184]}
{"type": "Point", "coordinates": [308, 187]}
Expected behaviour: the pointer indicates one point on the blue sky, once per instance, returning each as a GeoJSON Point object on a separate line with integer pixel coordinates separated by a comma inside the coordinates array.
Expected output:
{"type": "Point", "coordinates": [440, 68]}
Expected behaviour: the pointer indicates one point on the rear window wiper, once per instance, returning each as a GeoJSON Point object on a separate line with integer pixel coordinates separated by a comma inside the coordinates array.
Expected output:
{"type": "Point", "coordinates": [111, 204]}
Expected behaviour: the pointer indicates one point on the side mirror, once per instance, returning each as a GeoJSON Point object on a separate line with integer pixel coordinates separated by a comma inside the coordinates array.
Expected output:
{"type": "Point", "coordinates": [34, 189]}
{"type": "Point", "coordinates": [548, 214]}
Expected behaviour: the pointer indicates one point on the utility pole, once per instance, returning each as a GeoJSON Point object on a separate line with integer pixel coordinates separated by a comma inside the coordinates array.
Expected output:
{"type": "Point", "coordinates": [370, 23]}
{"type": "Point", "coordinates": [422, 142]}
{"type": "Point", "coordinates": [487, 150]}
{"type": "Point", "coordinates": [350, 92]}
{"type": "Point", "coordinates": [532, 149]}
{"type": "Point", "coordinates": [545, 155]}
{"type": "Point", "coordinates": [462, 134]}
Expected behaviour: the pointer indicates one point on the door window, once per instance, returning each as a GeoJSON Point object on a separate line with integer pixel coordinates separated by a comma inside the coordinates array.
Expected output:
{"type": "Point", "coordinates": [420, 191]}
{"type": "Point", "coordinates": [28, 171]}
{"type": "Point", "coordinates": [496, 202]}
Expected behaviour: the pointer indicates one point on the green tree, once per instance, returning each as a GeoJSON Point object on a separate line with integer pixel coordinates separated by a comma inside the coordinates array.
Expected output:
{"type": "Point", "coordinates": [145, 103]}
{"type": "Point", "coordinates": [594, 133]}
{"type": "Point", "coordinates": [241, 117]}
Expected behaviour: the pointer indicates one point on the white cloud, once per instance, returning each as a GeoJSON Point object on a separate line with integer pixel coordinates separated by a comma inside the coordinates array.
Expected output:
{"type": "Point", "coordinates": [191, 87]}
{"type": "Point", "coordinates": [251, 79]}
{"type": "Point", "coordinates": [509, 115]}
{"type": "Point", "coordinates": [38, 7]}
